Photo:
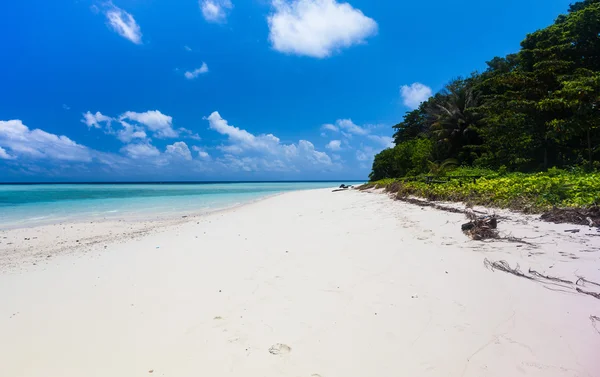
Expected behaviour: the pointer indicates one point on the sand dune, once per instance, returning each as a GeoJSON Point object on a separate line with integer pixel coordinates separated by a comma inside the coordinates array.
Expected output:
{"type": "Point", "coordinates": [308, 283]}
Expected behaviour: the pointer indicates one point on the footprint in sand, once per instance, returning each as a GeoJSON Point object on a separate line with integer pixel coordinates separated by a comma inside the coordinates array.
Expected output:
{"type": "Point", "coordinates": [280, 349]}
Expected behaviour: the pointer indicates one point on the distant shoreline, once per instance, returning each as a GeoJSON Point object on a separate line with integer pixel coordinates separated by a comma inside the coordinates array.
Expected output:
{"type": "Point", "coordinates": [171, 182]}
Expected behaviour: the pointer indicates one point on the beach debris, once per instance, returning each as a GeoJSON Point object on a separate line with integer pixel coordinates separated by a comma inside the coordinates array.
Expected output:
{"type": "Point", "coordinates": [572, 231]}
{"type": "Point", "coordinates": [151, 371]}
{"type": "Point", "coordinates": [593, 294]}
{"type": "Point", "coordinates": [559, 280]}
{"type": "Point", "coordinates": [280, 349]}
{"type": "Point", "coordinates": [581, 282]}
{"type": "Point", "coordinates": [595, 319]}
{"type": "Point", "coordinates": [343, 187]}
{"type": "Point", "coordinates": [480, 228]}
{"type": "Point", "coordinates": [536, 276]}
{"type": "Point", "coordinates": [589, 216]}
{"type": "Point", "coordinates": [505, 267]}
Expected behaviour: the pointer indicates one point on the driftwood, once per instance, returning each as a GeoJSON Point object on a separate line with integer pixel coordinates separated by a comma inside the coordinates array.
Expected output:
{"type": "Point", "coordinates": [582, 216]}
{"type": "Point", "coordinates": [593, 294]}
{"type": "Point", "coordinates": [481, 228]}
{"type": "Point", "coordinates": [584, 280]}
{"type": "Point", "coordinates": [537, 274]}
{"type": "Point", "coordinates": [595, 319]}
{"type": "Point", "coordinates": [504, 266]}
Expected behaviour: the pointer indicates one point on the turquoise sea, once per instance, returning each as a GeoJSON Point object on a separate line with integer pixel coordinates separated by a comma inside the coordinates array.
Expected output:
{"type": "Point", "coordinates": [28, 205]}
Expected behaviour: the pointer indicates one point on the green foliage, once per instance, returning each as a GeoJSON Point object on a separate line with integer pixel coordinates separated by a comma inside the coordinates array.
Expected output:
{"type": "Point", "coordinates": [529, 111]}
{"type": "Point", "coordinates": [528, 192]}
{"type": "Point", "coordinates": [407, 158]}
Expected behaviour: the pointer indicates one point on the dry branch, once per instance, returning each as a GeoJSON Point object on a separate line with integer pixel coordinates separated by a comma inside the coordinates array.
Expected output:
{"type": "Point", "coordinates": [593, 294]}
{"type": "Point", "coordinates": [537, 274]}
{"type": "Point", "coordinates": [504, 266]}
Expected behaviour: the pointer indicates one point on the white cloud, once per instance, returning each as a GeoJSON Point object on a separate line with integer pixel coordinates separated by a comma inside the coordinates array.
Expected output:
{"type": "Point", "coordinates": [202, 154]}
{"type": "Point", "coordinates": [215, 10]}
{"type": "Point", "coordinates": [189, 134]}
{"type": "Point", "coordinates": [124, 24]}
{"type": "Point", "coordinates": [415, 94]}
{"type": "Point", "coordinates": [4, 155]}
{"type": "Point", "coordinates": [242, 139]}
{"type": "Point", "coordinates": [140, 150]}
{"type": "Point", "coordinates": [94, 120]}
{"type": "Point", "coordinates": [384, 141]}
{"type": "Point", "coordinates": [187, 48]}
{"type": "Point", "coordinates": [350, 127]}
{"type": "Point", "coordinates": [190, 75]}
{"type": "Point", "coordinates": [334, 145]}
{"type": "Point", "coordinates": [329, 127]}
{"type": "Point", "coordinates": [179, 149]}
{"type": "Point", "coordinates": [130, 132]}
{"type": "Point", "coordinates": [21, 141]}
{"type": "Point", "coordinates": [159, 124]}
{"type": "Point", "coordinates": [265, 152]}
{"type": "Point", "coordinates": [317, 28]}
{"type": "Point", "coordinates": [365, 153]}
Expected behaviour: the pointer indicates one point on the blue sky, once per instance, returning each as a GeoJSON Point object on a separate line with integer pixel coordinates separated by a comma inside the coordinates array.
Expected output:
{"type": "Point", "coordinates": [231, 89]}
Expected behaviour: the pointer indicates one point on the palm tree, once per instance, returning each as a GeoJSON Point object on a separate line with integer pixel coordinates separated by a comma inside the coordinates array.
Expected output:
{"type": "Point", "coordinates": [453, 115]}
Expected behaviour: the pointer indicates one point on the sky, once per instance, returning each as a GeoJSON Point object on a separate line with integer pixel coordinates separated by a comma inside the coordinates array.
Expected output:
{"type": "Point", "coordinates": [188, 90]}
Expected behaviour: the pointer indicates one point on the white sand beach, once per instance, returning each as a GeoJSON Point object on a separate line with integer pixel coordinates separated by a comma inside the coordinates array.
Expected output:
{"type": "Point", "coordinates": [308, 283]}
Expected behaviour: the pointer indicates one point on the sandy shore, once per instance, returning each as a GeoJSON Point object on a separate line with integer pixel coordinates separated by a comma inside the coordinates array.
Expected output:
{"type": "Point", "coordinates": [308, 283]}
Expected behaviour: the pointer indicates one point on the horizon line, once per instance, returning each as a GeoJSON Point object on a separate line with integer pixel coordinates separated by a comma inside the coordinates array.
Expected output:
{"type": "Point", "coordinates": [173, 182]}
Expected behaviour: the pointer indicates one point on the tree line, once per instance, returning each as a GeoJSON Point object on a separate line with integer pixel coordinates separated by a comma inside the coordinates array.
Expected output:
{"type": "Point", "coordinates": [528, 111]}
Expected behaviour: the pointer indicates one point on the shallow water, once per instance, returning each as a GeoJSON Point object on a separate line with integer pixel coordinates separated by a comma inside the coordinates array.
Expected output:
{"type": "Point", "coordinates": [27, 205]}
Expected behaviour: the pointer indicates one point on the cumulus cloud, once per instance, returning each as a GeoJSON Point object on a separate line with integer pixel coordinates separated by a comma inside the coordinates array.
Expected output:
{"type": "Point", "coordinates": [159, 124]}
{"type": "Point", "coordinates": [384, 141]}
{"type": "Point", "coordinates": [202, 154]}
{"type": "Point", "coordinates": [215, 10]}
{"type": "Point", "coordinates": [415, 94]}
{"type": "Point", "coordinates": [4, 155]}
{"type": "Point", "coordinates": [130, 132]}
{"type": "Point", "coordinates": [179, 149]}
{"type": "Point", "coordinates": [140, 150]}
{"type": "Point", "coordinates": [350, 127]}
{"type": "Point", "coordinates": [189, 134]}
{"type": "Point", "coordinates": [329, 127]}
{"type": "Point", "coordinates": [265, 152]}
{"type": "Point", "coordinates": [317, 28]}
{"type": "Point", "coordinates": [95, 120]}
{"type": "Point", "coordinates": [23, 142]}
{"type": "Point", "coordinates": [334, 145]}
{"type": "Point", "coordinates": [124, 24]}
{"type": "Point", "coordinates": [366, 154]}
{"type": "Point", "coordinates": [190, 75]}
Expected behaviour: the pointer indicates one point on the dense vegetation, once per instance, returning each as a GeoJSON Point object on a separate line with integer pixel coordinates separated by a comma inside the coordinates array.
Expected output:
{"type": "Point", "coordinates": [527, 112]}
{"type": "Point", "coordinates": [535, 192]}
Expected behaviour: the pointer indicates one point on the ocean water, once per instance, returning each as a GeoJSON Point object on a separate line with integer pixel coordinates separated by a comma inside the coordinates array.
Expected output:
{"type": "Point", "coordinates": [29, 205]}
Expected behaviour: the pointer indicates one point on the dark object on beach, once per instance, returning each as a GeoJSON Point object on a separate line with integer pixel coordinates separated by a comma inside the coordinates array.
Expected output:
{"type": "Point", "coordinates": [343, 187]}
{"type": "Point", "coordinates": [572, 231]}
{"type": "Point", "coordinates": [481, 228]}
{"type": "Point", "coordinates": [589, 216]}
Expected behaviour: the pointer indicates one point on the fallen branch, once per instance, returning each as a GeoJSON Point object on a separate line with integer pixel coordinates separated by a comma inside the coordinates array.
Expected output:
{"type": "Point", "coordinates": [584, 280]}
{"type": "Point", "coordinates": [505, 267]}
{"type": "Point", "coordinates": [537, 274]}
{"type": "Point", "coordinates": [593, 294]}
{"type": "Point", "coordinates": [595, 319]}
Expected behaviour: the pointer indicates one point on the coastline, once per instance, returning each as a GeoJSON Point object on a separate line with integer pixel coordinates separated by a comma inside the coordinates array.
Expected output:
{"type": "Point", "coordinates": [308, 283]}
{"type": "Point", "coordinates": [20, 246]}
